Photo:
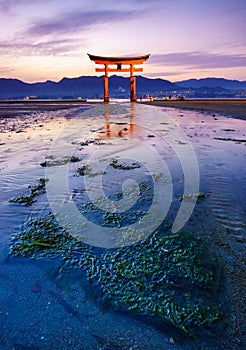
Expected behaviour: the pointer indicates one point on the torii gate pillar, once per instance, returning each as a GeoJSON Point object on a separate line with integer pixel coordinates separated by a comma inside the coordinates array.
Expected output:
{"type": "Point", "coordinates": [133, 94]}
{"type": "Point", "coordinates": [105, 78]}
{"type": "Point", "coordinates": [119, 61]}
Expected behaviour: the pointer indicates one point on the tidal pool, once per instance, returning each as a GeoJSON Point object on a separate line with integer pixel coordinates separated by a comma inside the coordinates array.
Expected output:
{"type": "Point", "coordinates": [114, 176]}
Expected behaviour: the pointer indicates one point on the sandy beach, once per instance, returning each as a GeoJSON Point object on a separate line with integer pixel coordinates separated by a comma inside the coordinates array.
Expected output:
{"type": "Point", "coordinates": [71, 307]}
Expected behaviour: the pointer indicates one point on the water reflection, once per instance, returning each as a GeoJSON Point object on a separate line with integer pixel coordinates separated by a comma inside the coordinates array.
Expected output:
{"type": "Point", "coordinates": [120, 129]}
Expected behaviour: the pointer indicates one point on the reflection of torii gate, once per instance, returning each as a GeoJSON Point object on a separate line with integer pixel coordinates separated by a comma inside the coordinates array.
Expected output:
{"type": "Point", "coordinates": [115, 130]}
{"type": "Point", "coordinates": [119, 61]}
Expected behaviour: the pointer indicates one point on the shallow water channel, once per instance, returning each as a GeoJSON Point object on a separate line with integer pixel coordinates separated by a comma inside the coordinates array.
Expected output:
{"type": "Point", "coordinates": [115, 174]}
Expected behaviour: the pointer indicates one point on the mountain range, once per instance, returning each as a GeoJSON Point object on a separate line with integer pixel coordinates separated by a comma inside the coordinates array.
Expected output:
{"type": "Point", "coordinates": [92, 87]}
{"type": "Point", "coordinates": [212, 83]}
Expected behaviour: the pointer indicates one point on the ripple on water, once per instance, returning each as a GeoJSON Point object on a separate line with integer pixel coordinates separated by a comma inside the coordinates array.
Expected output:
{"type": "Point", "coordinates": [225, 208]}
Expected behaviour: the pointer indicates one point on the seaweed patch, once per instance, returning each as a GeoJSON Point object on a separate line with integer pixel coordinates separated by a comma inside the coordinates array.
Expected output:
{"type": "Point", "coordinates": [116, 165]}
{"type": "Point", "coordinates": [230, 139]}
{"type": "Point", "coordinates": [51, 161]}
{"type": "Point", "coordinates": [198, 195]}
{"type": "Point", "coordinates": [168, 277]}
{"type": "Point", "coordinates": [34, 192]}
{"type": "Point", "coordinates": [87, 170]}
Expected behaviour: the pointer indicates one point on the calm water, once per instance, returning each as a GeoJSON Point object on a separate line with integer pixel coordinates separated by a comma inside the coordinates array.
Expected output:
{"type": "Point", "coordinates": [121, 148]}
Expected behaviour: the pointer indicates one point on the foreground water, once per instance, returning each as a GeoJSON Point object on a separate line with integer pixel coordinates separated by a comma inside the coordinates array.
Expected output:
{"type": "Point", "coordinates": [186, 152]}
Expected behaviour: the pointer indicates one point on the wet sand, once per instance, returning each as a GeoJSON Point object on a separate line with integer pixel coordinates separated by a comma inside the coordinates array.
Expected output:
{"type": "Point", "coordinates": [219, 218]}
{"type": "Point", "coordinates": [13, 108]}
{"type": "Point", "coordinates": [233, 108]}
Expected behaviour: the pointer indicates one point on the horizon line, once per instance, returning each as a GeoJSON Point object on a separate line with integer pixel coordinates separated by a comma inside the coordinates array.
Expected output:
{"type": "Point", "coordinates": [122, 76]}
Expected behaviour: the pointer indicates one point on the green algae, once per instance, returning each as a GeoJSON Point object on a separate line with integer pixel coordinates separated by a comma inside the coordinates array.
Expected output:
{"type": "Point", "coordinates": [110, 216]}
{"type": "Point", "coordinates": [34, 192]}
{"type": "Point", "coordinates": [166, 278]}
{"type": "Point", "coordinates": [51, 161]}
{"type": "Point", "coordinates": [43, 237]}
{"type": "Point", "coordinates": [229, 139]}
{"type": "Point", "coordinates": [116, 165]}
{"type": "Point", "coordinates": [82, 171]}
{"type": "Point", "coordinates": [192, 195]}
{"type": "Point", "coordinates": [86, 170]}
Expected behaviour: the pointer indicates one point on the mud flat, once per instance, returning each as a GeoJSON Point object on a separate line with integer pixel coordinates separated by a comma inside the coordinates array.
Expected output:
{"type": "Point", "coordinates": [11, 108]}
{"type": "Point", "coordinates": [234, 107]}
{"type": "Point", "coordinates": [77, 315]}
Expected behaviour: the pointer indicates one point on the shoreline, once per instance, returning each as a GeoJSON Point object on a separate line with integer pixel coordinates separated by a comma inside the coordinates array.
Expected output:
{"type": "Point", "coordinates": [234, 108]}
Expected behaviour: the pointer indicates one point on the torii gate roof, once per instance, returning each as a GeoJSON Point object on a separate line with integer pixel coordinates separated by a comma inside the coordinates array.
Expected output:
{"type": "Point", "coordinates": [118, 60]}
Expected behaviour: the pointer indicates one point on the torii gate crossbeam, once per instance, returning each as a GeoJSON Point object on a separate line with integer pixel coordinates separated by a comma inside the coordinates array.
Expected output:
{"type": "Point", "coordinates": [119, 61]}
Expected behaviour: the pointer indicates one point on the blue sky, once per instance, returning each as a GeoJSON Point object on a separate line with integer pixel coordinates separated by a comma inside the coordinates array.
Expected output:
{"type": "Point", "coordinates": [50, 39]}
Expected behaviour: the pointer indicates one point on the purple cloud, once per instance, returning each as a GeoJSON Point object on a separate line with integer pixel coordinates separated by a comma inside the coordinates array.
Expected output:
{"type": "Point", "coordinates": [163, 74]}
{"type": "Point", "coordinates": [199, 59]}
{"type": "Point", "coordinates": [77, 21]}
{"type": "Point", "coordinates": [47, 48]}
{"type": "Point", "coordinates": [7, 5]}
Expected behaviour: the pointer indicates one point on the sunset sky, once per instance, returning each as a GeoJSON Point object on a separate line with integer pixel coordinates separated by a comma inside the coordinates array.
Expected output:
{"type": "Point", "coordinates": [50, 39]}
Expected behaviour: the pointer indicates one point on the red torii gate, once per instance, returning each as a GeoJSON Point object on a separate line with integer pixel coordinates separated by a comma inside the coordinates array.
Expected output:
{"type": "Point", "coordinates": [119, 61]}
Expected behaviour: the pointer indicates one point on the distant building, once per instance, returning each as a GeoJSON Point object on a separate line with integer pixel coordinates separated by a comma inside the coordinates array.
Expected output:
{"type": "Point", "coordinates": [30, 98]}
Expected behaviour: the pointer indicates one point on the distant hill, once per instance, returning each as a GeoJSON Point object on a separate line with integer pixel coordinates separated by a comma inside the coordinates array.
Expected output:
{"type": "Point", "coordinates": [92, 87]}
{"type": "Point", "coordinates": [85, 86]}
{"type": "Point", "coordinates": [65, 88]}
{"type": "Point", "coordinates": [212, 83]}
